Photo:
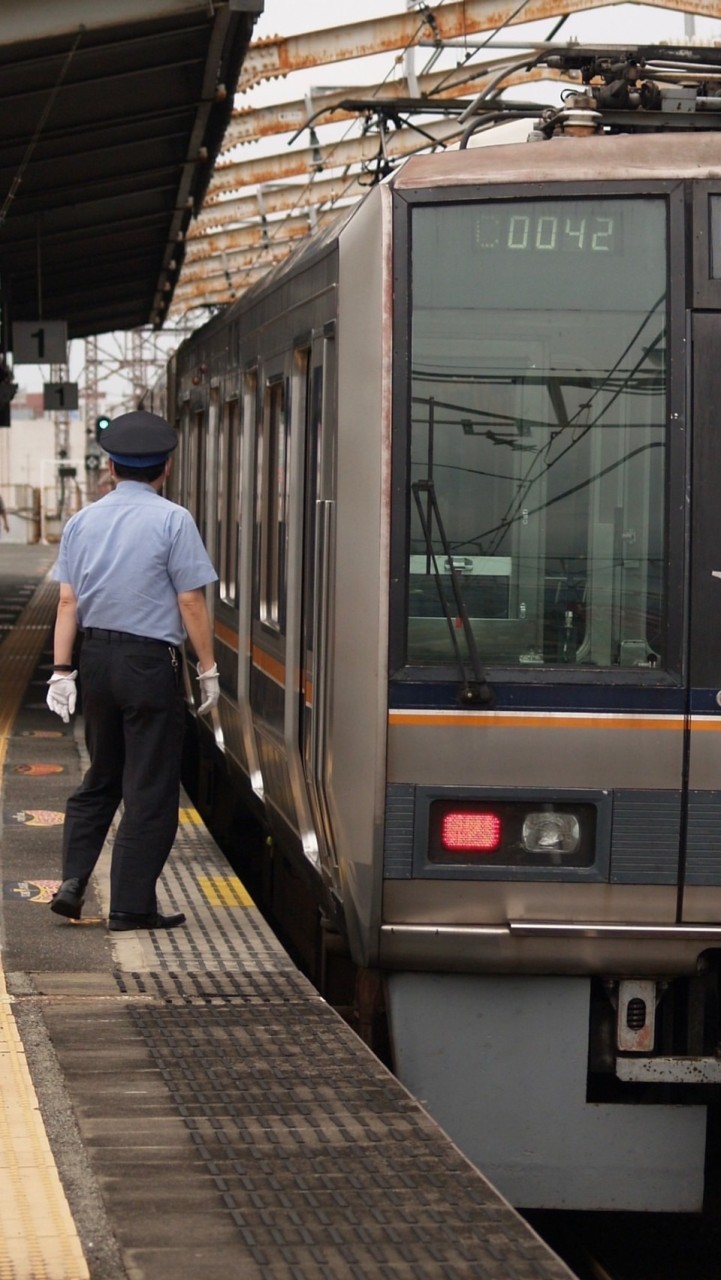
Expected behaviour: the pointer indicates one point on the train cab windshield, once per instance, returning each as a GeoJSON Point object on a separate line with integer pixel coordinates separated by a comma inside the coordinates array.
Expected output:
{"type": "Point", "coordinates": [538, 395]}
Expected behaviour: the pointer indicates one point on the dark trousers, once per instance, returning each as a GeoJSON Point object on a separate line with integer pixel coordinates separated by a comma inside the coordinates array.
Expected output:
{"type": "Point", "coordinates": [132, 703]}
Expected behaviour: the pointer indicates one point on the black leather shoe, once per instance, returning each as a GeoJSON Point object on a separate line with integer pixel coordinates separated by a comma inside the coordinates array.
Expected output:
{"type": "Point", "coordinates": [68, 899]}
{"type": "Point", "coordinates": [123, 920]}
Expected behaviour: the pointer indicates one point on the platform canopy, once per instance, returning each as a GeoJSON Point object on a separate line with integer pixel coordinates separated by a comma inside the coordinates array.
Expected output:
{"type": "Point", "coordinates": [111, 117]}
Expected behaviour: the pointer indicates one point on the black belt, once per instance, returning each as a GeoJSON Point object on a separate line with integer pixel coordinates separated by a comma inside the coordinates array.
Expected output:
{"type": "Point", "coordinates": [120, 637]}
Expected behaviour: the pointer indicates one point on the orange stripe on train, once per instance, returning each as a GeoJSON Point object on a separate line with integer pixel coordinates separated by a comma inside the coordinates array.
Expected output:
{"type": "Point", "coordinates": [544, 720]}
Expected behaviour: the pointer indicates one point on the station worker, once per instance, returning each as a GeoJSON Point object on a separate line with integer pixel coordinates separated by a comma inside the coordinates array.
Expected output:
{"type": "Point", "coordinates": [132, 570]}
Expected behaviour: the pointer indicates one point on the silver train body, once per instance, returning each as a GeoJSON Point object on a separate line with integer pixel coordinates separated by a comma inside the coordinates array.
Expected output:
{"type": "Point", "coordinates": [457, 461]}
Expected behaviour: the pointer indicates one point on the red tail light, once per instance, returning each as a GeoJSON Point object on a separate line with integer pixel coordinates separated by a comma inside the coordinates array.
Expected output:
{"type": "Point", "coordinates": [476, 831]}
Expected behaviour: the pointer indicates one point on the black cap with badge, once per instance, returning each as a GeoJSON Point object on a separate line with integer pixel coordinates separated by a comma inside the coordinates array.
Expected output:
{"type": "Point", "coordinates": [139, 439]}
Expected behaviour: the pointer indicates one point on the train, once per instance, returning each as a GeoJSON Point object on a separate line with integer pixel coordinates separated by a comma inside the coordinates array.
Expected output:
{"type": "Point", "coordinates": [457, 462]}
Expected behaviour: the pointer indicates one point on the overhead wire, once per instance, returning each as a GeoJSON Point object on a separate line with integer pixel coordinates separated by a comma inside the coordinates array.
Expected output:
{"type": "Point", "coordinates": [275, 229]}
{"type": "Point", "coordinates": [484, 43]}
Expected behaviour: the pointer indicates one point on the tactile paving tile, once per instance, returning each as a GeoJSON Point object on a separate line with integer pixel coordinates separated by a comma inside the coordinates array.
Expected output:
{"type": "Point", "coordinates": [220, 936]}
{"type": "Point", "coordinates": [324, 1163]}
{"type": "Point", "coordinates": [254, 987]}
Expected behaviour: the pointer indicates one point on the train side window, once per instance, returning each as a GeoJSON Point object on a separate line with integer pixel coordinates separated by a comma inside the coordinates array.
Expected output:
{"type": "Point", "coordinates": [228, 503]}
{"type": "Point", "coordinates": [248, 506]}
{"type": "Point", "coordinates": [274, 503]}
{"type": "Point", "coordinates": [313, 440]}
{"type": "Point", "coordinates": [175, 486]}
{"type": "Point", "coordinates": [195, 475]}
{"type": "Point", "coordinates": [217, 548]}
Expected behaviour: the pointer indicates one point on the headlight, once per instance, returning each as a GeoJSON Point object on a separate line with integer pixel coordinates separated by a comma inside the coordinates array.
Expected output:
{"type": "Point", "coordinates": [551, 833]}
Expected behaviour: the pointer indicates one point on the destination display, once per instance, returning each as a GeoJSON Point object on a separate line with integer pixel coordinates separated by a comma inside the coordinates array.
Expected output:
{"type": "Point", "coordinates": [541, 256]}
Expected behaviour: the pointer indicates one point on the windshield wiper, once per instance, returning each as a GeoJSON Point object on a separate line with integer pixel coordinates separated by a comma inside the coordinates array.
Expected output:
{"type": "Point", "coordinates": [475, 690]}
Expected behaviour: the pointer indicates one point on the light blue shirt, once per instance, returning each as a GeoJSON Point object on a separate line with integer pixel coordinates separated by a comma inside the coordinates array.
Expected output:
{"type": "Point", "coordinates": [127, 557]}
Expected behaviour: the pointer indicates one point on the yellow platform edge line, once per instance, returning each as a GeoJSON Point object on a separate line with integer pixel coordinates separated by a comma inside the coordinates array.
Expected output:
{"type": "Point", "coordinates": [31, 1193]}
{"type": "Point", "coordinates": [225, 891]}
{"type": "Point", "coordinates": [189, 818]}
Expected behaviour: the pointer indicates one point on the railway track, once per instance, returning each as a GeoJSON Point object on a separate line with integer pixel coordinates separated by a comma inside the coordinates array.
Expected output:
{"type": "Point", "coordinates": [631, 1246]}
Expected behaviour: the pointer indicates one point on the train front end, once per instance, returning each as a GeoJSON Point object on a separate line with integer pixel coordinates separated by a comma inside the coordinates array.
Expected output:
{"type": "Point", "coordinates": [551, 902]}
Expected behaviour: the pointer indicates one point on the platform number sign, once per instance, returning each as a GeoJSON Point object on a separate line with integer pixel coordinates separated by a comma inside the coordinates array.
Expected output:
{"type": "Point", "coordinates": [59, 396]}
{"type": "Point", "coordinates": [40, 342]}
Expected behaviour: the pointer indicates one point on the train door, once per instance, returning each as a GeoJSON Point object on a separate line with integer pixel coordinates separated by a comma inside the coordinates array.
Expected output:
{"type": "Point", "coordinates": [267, 668]}
{"type": "Point", "coordinates": [700, 888]}
{"type": "Point", "coordinates": [699, 877]}
{"type": "Point", "coordinates": [276, 613]}
{"type": "Point", "coordinates": [294, 699]}
{"type": "Point", "coordinates": [317, 594]}
{"type": "Point", "coordinates": [208, 489]}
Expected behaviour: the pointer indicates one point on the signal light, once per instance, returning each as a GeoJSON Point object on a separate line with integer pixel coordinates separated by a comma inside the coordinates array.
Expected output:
{"type": "Point", "coordinates": [101, 424]}
{"type": "Point", "coordinates": [474, 831]}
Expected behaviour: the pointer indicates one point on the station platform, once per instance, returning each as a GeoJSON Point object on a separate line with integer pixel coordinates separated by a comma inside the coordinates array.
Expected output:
{"type": "Point", "coordinates": [184, 1104]}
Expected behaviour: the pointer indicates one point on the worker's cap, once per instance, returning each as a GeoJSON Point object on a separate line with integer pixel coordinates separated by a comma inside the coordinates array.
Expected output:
{"type": "Point", "coordinates": [139, 439]}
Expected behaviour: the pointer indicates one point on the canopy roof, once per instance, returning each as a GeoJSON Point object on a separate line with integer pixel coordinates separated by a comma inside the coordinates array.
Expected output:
{"type": "Point", "coordinates": [111, 118]}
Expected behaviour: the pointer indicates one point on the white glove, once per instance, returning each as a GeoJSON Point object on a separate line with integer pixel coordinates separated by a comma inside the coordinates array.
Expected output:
{"type": "Point", "coordinates": [209, 688]}
{"type": "Point", "coordinates": [62, 694]}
